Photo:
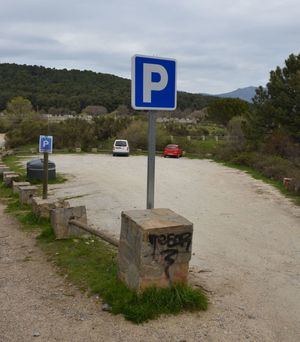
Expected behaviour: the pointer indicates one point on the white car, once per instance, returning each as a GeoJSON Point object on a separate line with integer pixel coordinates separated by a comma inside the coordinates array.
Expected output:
{"type": "Point", "coordinates": [121, 148]}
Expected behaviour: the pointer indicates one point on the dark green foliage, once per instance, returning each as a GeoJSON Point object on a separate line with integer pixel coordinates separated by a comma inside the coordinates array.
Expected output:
{"type": "Point", "coordinates": [109, 126]}
{"type": "Point", "coordinates": [73, 133]}
{"type": "Point", "coordinates": [26, 132]}
{"type": "Point", "coordinates": [74, 90]}
{"type": "Point", "coordinates": [137, 135]}
{"type": "Point", "coordinates": [278, 106]}
{"type": "Point", "coordinates": [223, 110]}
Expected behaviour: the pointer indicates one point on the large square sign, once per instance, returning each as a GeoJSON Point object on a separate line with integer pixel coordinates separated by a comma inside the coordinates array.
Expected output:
{"type": "Point", "coordinates": [153, 83]}
{"type": "Point", "coordinates": [46, 143]}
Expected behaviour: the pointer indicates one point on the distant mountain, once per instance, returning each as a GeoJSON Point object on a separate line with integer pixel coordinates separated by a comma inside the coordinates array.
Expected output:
{"type": "Point", "coordinates": [241, 93]}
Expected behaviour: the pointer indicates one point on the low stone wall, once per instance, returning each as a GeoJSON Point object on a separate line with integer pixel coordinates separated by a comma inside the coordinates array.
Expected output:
{"type": "Point", "coordinates": [16, 186]}
{"type": "Point", "coordinates": [26, 193]}
{"type": "Point", "coordinates": [60, 218]}
{"type": "Point", "coordinates": [42, 207]}
{"type": "Point", "coordinates": [8, 179]}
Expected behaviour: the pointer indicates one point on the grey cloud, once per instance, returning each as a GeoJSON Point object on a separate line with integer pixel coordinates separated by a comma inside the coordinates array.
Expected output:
{"type": "Point", "coordinates": [220, 45]}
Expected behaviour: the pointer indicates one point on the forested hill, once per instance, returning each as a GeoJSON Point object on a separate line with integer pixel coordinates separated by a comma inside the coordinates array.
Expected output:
{"type": "Point", "coordinates": [74, 89]}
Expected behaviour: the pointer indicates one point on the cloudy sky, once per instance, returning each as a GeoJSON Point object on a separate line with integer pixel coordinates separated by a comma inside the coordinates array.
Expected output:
{"type": "Point", "coordinates": [220, 45]}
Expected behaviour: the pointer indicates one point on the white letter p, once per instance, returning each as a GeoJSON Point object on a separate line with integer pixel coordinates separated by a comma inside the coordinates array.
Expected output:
{"type": "Point", "coordinates": [148, 86]}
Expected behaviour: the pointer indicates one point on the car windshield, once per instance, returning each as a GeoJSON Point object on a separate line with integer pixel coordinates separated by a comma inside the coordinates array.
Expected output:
{"type": "Point", "coordinates": [120, 143]}
{"type": "Point", "coordinates": [172, 147]}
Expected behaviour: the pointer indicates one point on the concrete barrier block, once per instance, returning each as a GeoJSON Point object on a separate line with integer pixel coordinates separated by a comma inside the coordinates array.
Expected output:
{"type": "Point", "coordinates": [8, 179]}
{"type": "Point", "coordinates": [94, 150]}
{"type": "Point", "coordinates": [77, 149]}
{"type": "Point", "coordinates": [4, 169]}
{"type": "Point", "coordinates": [42, 207]}
{"type": "Point", "coordinates": [26, 193]}
{"type": "Point", "coordinates": [16, 185]}
{"type": "Point", "coordinates": [8, 172]}
{"type": "Point", "coordinates": [60, 218]}
{"type": "Point", "coordinates": [154, 249]}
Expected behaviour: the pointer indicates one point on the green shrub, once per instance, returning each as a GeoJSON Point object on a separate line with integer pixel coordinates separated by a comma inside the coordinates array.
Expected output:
{"type": "Point", "coordinates": [137, 135]}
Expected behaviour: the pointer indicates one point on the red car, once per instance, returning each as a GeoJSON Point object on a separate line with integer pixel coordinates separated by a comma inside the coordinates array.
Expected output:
{"type": "Point", "coordinates": [172, 150]}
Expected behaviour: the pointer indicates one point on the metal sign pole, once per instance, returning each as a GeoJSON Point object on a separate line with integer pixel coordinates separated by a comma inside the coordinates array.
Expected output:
{"type": "Point", "coordinates": [151, 159]}
{"type": "Point", "coordinates": [45, 178]}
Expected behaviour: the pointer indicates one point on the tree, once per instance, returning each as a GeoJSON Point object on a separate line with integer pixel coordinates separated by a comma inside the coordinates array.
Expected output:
{"type": "Point", "coordinates": [18, 108]}
{"type": "Point", "coordinates": [223, 110]}
{"type": "Point", "coordinates": [277, 107]}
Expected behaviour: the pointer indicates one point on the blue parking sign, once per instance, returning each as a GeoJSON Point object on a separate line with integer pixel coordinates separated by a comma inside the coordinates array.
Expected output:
{"type": "Point", "coordinates": [46, 143]}
{"type": "Point", "coordinates": [153, 83]}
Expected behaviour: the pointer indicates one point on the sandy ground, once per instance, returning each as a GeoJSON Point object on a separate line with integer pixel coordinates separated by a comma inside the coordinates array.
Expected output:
{"type": "Point", "coordinates": [246, 240]}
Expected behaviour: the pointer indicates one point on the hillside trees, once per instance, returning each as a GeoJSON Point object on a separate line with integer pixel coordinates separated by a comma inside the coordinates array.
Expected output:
{"type": "Point", "coordinates": [74, 90]}
{"type": "Point", "coordinates": [277, 107]}
{"type": "Point", "coordinates": [223, 110]}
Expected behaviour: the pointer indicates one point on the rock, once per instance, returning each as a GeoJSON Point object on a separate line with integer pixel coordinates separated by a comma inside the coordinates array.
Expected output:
{"type": "Point", "coordinates": [36, 334]}
{"type": "Point", "coordinates": [251, 316]}
{"type": "Point", "coordinates": [106, 307]}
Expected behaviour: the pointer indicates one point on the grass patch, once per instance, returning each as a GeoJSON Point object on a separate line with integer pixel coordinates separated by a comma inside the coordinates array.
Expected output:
{"type": "Point", "coordinates": [91, 264]}
{"type": "Point", "coordinates": [257, 175]}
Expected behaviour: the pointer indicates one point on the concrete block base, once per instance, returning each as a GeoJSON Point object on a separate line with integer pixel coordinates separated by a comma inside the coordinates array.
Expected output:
{"type": "Point", "coordinates": [154, 248]}
{"type": "Point", "coordinates": [26, 193]}
{"type": "Point", "coordinates": [60, 218]}
{"type": "Point", "coordinates": [16, 185]}
{"type": "Point", "coordinates": [42, 207]}
{"type": "Point", "coordinates": [3, 169]}
{"type": "Point", "coordinates": [8, 179]}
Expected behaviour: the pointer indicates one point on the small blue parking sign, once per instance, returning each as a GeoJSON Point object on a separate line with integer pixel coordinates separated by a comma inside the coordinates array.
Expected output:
{"type": "Point", "coordinates": [46, 143]}
{"type": "Point", "coordinates": [153, 83]}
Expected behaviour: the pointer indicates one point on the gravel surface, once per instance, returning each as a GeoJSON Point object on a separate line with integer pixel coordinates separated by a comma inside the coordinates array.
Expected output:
{"type": "Point", "coordinates": [246, 247]}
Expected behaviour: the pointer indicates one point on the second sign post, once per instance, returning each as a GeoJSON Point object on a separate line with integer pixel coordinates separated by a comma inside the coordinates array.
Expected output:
{"type": "Point", "coordinates": [45, 147]}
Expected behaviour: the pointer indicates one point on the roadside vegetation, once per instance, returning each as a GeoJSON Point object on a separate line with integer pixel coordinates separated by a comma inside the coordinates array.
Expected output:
{"type": "Point", "coordinates": [91, 265]}
{"type": "Point", "coordinates": [263, 137]}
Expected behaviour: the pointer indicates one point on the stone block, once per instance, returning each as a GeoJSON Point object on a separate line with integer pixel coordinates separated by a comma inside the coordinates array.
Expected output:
{"type": "Point", "coordinates": [16, 185]}
{"type": "Point", "coordinates": [77, 149]}
{"type": "Point", "coordinates": [154, 249]}
{"type": "Point", "coordinates": [42, 207]}
{"type": "Point", "coordinates": [26, 193]}
{"type": "Point", "coordinates": [94, 150]}
{"type": "Point", "coordinates": [8, 179]}
{"type": "Point", "coordinates": [3, 169]}
{"type": "Point", "coordinates": [8, 172]}
{"type": "Point", "coordinates": [60, 218]}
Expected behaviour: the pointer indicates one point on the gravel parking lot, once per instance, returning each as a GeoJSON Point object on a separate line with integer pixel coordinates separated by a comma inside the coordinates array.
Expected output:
{"type": "Point", "coordinates": [246, 247]}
